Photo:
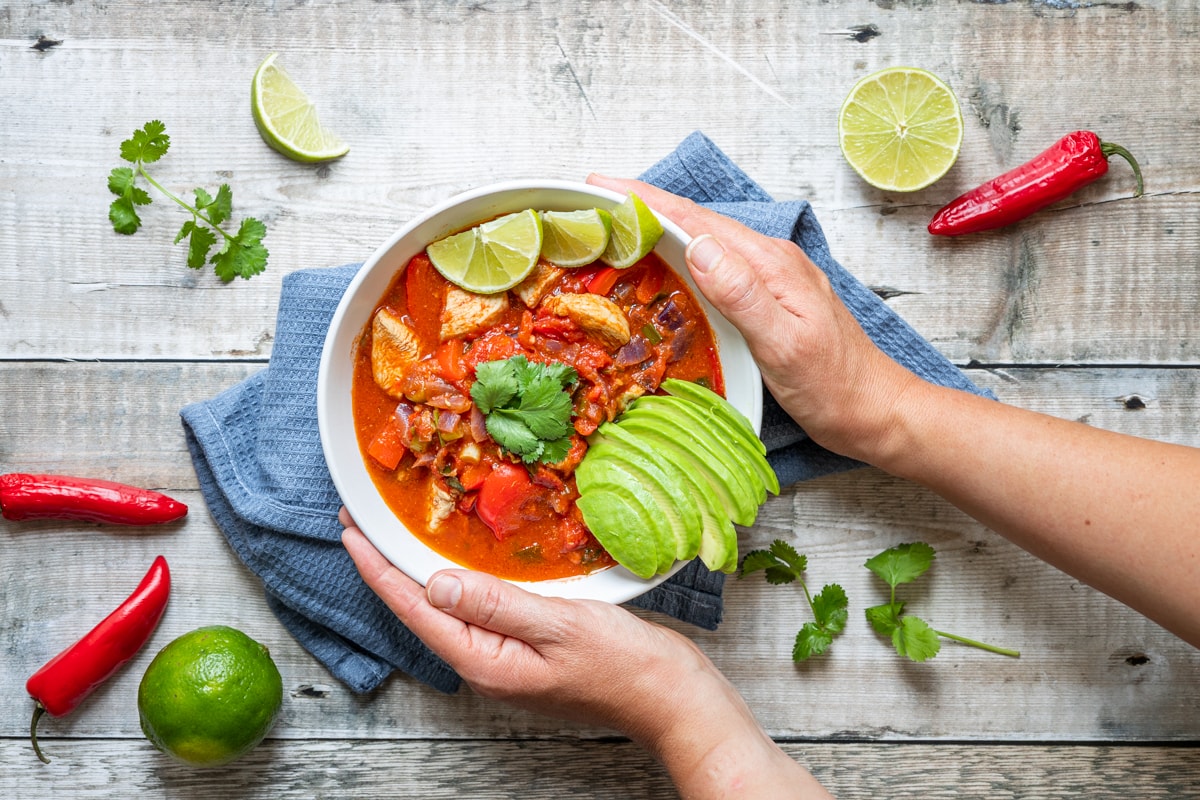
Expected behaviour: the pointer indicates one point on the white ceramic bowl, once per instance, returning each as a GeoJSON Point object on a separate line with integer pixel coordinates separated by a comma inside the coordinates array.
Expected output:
{"type": "Point", "coordinates": [742, 381]}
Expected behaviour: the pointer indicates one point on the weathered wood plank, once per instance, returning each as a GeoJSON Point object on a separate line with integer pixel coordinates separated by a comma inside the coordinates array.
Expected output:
{"type": "Point", "coordinates": [1091, 670]}
{"type": "Point", "coordinates": [1101, 280]}
{"type": "Point", "coordinates": [588, 769]}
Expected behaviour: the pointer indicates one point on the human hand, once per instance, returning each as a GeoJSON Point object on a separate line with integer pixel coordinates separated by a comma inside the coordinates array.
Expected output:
{"type": "Point", "coordinates": [814, 356]}
{"type": "Point", "coordinates": [591, 662]}
{"type": "Point", "coordinates": [585, 661]}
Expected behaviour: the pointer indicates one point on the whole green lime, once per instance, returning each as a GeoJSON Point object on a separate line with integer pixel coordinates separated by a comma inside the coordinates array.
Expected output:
{"type": "Point", "coordinates": [210, 696]}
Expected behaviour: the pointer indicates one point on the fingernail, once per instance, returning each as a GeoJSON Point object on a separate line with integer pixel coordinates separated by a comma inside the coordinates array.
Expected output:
{"type": "Point", "coordinates": [704, 253]}
{"type": "Point", "coordinates": [444, 591]}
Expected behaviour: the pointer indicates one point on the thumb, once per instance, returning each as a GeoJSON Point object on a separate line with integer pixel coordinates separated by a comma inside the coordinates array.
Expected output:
{"type": "Point", "coordinates": [489, 602]}
{"type": "Point", "coordinates": [737, 291]}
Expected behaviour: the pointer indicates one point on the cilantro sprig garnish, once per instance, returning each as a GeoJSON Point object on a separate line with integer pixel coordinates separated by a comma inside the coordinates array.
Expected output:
{"type": "Point", "coordinates": [527, 406]}
{"type": "Point", "coordinates": [911, 636]}
{"type": "Point", "coordinates": [239, 254]}
{"type": "Point", "coordinates": [782, 564]}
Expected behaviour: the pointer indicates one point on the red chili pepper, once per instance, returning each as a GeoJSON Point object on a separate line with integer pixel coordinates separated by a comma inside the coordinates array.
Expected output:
{"type": "Point", "coordinates": [61, 497]}
{"type": "Point", "coordinates": [1069, 164]}
{"type": "Point", "coordinates": [69, 677]}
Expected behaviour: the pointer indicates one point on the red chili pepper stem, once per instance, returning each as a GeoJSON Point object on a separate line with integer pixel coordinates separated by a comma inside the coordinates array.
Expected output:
{"type": "Point", "coordinates": [38, 710]}
{"type": "Point", "coordinates": [1111, 149]}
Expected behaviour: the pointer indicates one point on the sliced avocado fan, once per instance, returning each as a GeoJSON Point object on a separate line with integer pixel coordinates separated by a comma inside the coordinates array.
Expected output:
{"type": "Point", "coordinates": [669, 478]}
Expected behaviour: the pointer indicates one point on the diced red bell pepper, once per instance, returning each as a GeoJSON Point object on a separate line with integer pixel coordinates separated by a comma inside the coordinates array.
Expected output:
{"type": "Point", "coordinates": [604, 281]}
{"type": "Point", "coordinates": [450, 362]}
{"type": "Point", "coordinates": [650, 285]}
{"type": "Point", "coordinates": [501, 496]}
{"type": "Point", "coordinates": [388, 446]}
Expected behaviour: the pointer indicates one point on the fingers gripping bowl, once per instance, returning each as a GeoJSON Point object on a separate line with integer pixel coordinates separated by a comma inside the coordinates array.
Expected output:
{"type": "Point", "coordinates": [353, 320]}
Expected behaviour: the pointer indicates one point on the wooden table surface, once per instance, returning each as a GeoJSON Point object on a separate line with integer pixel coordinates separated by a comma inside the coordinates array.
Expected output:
{"type": "Point", "coordinates": [1088, 312]}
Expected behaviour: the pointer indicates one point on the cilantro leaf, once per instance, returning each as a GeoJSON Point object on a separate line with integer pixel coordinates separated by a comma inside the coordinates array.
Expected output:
{"type": "Point", "coordinates": [811, 641]}
{"type": "Point", "coordinates": [202, 241]}
{"type": "Point", "coordinates": [506, 427]}
{"type": "Point", "coordinates": [915, 639]}
{"type": "Point", "coordinates": [780, 563]}
{"type": "Point", "coordinates": [123, 217]}
{"type": "Point", "coordinates": [147, 145]}
{"type": "Point", "coordinates": [240, 254]}
{"type": "Point", "coordinates": [120, 181]}
{"type": "Point", "coordinates": [829, 608]}
{"type": "Point", "coordinates": [556, 450]}
{"type": "Point", "coordinates": [903, 563]}
{"type": "Point", "coordinates": [885, 618]}
{"type": "Point", "coordinates": [495, 384]}
{"type": "Point", "coordinates": [243, 255]}
{"type": "Point", "coordinates": [526, 406]}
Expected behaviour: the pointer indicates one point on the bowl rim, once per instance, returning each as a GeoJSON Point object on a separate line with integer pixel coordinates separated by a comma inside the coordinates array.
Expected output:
{"type": "Point", "coordinates": [615, 584]}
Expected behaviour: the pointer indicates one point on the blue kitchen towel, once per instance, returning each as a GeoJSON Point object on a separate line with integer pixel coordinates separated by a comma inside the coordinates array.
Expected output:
{"type": "Point", "coordinates": [258, 459]}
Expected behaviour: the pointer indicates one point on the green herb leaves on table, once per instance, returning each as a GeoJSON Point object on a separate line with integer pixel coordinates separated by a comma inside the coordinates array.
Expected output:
{"type": "Point", "coordinates": [239, 254]}
{"type": "Point", "coordinates": [526, 406]}
{"type": "Point", "coordinates": [911, 636]}
{"type": "Point", "coordinates": [782, 564]}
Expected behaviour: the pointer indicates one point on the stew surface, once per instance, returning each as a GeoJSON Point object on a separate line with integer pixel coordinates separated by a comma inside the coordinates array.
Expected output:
{"type": "Point", "coordinates": [425, 442]}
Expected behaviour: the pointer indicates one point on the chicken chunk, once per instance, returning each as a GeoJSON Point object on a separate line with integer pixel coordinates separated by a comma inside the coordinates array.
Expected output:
{"type": "Point", "coordinates": [441, 505]}
{"type": "Point", "coordinates": [394, 349]}
{"type": "Point", "coordinates": [534, 287]}
{"type": "Point", "coordinates": [466, 312]}
{"type": "Point", "coordinates": [596, 315]}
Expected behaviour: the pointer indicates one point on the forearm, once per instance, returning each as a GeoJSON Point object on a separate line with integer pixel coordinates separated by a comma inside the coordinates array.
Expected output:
{"type": "Point", "coordinates": [1118, 512]}
{"type": "Point", "coordinates": [715, 749]}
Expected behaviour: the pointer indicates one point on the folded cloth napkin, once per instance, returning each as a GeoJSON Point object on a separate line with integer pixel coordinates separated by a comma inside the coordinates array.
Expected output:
{"type": "Point", "coordinates": [258, 458]}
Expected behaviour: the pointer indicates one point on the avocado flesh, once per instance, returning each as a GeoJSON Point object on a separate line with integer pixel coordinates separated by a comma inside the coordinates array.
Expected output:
{"type": "Point", "coordinates": [718, 538]}
{"type": "Point", "coordinates": [742, 443]}
{"type": "Point", "coordinates": [707, 398]}
{"type": "Point", "coordinates": [677, 506]}
{"type": "Point", "coordinates": [611, 514]}
{"type": "Point", "coordinates": [612, 443]}
{"type": "Point", "coordinates": [724, 444]}
{"type": "Point", "coordinates": [655, 522]}
{"type": "Point", "coordinates": [737, 492]}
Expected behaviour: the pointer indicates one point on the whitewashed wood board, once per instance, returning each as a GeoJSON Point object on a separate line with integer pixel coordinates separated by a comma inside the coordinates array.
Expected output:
{"type": "Point", "coordinates": [492, 770]}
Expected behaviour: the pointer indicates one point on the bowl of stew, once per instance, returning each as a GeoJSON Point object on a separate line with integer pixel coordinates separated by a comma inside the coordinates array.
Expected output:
{"type": "Point", "coordinates": [408, 449]}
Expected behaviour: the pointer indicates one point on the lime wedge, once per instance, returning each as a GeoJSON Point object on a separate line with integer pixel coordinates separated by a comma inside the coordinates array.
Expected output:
{"type": "Point", "coordinates": [491, 257]}
{"type": "Point", "coordinates": [635, 231]}
{"type": "Point", "coordinates": [900, 128]}
{"type": "Point", "coordinates": [287, 119]}
{"type": "Point", "coordinates": [575, 238]}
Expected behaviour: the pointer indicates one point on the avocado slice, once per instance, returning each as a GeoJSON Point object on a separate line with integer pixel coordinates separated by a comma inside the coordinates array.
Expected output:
{"type": "Point", "coordinates": [597, 472]}
{"type": "Point", "coordinates": [718, 538]}
{"type": "Point", "coordinates": [737, 443]}
{"type": "Point", "coordinates": [616, 519]}
{"type": "Point", "coordinates": [677, 506]}
{"type": "Point", "coordinates": [707, 398]}
{"type": "Point", "coordinates": [738, 485]}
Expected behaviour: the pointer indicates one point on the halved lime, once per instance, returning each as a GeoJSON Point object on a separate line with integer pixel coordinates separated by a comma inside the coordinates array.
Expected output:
{"type": "Point", "coordinates": [287, 119]}
{"type": "Point", "coordinates": [900, 128]}
{"type": "Point", "coordinates": [491, 257]}
{"type": "Point", "coordinates": [635, 231]}
{"type": "Point", "coordinates": [575, 238]}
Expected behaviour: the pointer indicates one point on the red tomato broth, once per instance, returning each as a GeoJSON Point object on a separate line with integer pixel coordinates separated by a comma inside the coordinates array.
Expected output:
{"type": "Point", "coordinates": [543, 536]}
